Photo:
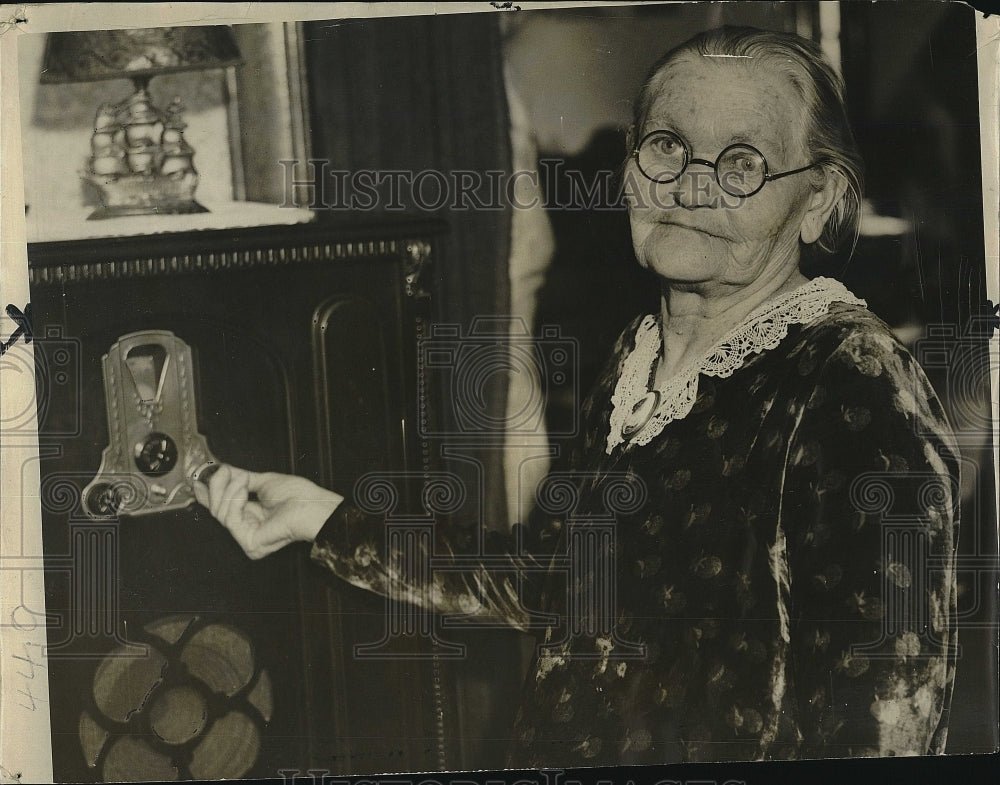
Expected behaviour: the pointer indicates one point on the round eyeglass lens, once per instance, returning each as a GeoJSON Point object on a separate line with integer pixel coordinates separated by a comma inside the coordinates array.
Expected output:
{"type": "Point", "coordinates": [662, 156]}
{"type": "Point", "coordinates": [741, 170]}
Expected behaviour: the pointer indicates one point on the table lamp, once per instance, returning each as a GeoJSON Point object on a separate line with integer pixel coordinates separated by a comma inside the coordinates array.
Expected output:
{"type": "Point", "coordinates": [140, 162]}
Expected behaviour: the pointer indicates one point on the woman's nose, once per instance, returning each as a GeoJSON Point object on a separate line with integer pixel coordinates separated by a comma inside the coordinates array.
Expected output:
{"type": "Point", "coordinates": [696, 187]}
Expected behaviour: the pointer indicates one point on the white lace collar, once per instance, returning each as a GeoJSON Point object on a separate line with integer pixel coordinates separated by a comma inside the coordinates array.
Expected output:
{"type": "Point", "coordinates": [640, 414]}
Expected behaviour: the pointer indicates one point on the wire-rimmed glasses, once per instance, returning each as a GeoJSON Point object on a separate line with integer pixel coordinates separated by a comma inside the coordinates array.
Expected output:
{"type": "Point", "coordinates": [740, 169]}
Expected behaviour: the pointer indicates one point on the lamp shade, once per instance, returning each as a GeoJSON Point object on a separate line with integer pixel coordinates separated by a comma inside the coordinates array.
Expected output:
{"type": "Point", "coordinates": [90, 55]}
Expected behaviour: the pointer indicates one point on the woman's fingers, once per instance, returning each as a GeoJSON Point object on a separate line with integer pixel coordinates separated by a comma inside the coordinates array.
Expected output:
{"type": "Point", "coordinates": [234, 499]}
{"type": "Point", "coordinates": [216, 489]}
{"type": "Point", "coordinates": [254, 513]}
{"type": "Point", "coordinates": [272, 487]}
{"type": "Point", "coordinates": [213, 493]}
{"type": "Point", "coordinates": [200, 491]}
{"type": "Point", "coordinates": [265, 524]}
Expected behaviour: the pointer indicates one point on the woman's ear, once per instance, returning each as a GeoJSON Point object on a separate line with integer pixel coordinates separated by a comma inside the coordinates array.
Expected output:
{"type": "Point", "coordinates": [629, 139]}
{"type": "Point", "coordinates": [822, 203]}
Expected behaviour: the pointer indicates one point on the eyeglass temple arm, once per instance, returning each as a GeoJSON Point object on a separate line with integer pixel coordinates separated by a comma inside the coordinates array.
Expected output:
{"type": "Point", "coordinates": [779, 175]}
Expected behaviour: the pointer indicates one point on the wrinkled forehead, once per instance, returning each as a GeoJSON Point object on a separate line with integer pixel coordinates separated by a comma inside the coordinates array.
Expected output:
{"type": "Point", "coordinates": [728, 96]}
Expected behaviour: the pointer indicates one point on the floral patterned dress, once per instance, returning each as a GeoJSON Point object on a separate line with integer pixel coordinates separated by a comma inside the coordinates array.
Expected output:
{"type": "Point", "coordinates": [760, 568]}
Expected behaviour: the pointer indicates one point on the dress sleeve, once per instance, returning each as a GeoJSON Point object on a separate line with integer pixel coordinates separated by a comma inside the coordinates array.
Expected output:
{"type": "Point", "coordinates": [869, 517]}
{"type": "Point", "coordinates": [430, 572]}
{"type": "Point", "coordinates": [419, 566]}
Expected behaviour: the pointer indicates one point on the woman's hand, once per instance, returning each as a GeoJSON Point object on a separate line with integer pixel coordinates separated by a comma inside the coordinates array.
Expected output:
{"type": "Point", "coordinates": [287, 509]}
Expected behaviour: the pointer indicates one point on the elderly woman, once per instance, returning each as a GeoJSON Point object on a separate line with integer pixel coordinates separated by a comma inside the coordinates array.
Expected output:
{"type": "Point", "coordinates": [784, 586]}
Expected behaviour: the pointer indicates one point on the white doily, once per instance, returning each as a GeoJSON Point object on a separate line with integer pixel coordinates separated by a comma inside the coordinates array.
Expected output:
{"type": "Point", "coordinates": [763, 329]}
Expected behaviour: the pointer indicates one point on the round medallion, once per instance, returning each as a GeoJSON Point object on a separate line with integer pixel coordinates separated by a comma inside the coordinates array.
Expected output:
{"type": "Point", "coordinates": [642, 413]}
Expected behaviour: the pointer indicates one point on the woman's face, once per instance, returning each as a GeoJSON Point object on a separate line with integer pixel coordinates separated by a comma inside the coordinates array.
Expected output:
{"type": "Point", "coordinates": [690, 231]}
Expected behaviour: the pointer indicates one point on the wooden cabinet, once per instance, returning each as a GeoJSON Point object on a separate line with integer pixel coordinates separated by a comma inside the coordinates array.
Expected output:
{"type": "Point", "coordinates": [304, 347]}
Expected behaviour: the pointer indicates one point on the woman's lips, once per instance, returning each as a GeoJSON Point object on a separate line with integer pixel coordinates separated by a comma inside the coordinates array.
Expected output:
{"type": "Point", "coordinates": [680, 225]}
